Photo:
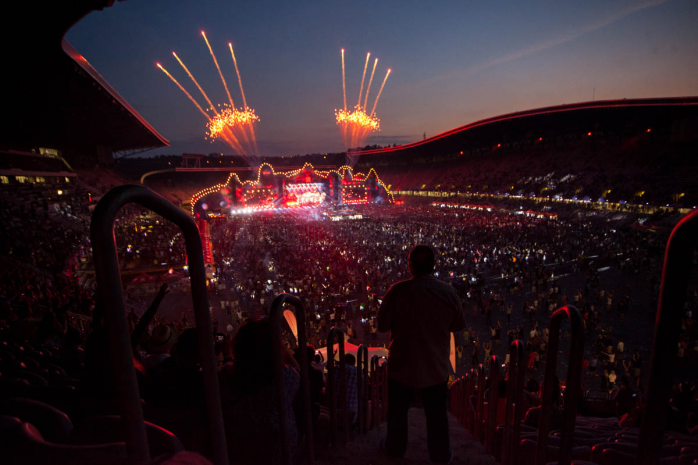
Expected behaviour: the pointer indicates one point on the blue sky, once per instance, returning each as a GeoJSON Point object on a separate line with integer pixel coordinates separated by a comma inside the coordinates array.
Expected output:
{"type": "Point", "coordinates": [452, 62]}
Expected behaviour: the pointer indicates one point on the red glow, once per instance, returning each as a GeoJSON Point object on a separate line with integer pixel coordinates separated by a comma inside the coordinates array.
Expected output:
{"type": "Point", "coordinates": [202, 33]}
{"type": "Point", "coordinates": [588, 134]}
{"type": "Point", "coordinates": [540, 139]}
{"type": "Point", "coordinates": [158, 65]}
{"type": "Point", "coordinates": [499, 145]}
{"type": "Point", "coordinates": [649, 130]}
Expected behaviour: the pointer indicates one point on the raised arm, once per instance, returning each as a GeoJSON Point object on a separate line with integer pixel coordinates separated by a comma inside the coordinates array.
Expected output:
{"type": "Point", "coordinates": [148, 316]}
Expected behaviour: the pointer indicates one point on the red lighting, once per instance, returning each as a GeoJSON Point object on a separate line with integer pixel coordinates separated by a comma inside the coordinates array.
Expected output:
{"type": "Point", "coordinates": [588, 133]}
{"type": "Point", "coordinates": [540, 139]}
{"type": "Point", "coordinates": [649, 130]}
{"type": "Point", "coordinates": [499, 145]}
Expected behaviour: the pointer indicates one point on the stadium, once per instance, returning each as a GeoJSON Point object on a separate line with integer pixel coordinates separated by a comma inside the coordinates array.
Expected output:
{"type": "Point", "coordinates": [182, 308]}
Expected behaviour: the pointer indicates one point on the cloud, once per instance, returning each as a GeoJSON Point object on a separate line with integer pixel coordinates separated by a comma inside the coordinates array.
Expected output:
{"type": "Point", "coordinates": [548, 44]}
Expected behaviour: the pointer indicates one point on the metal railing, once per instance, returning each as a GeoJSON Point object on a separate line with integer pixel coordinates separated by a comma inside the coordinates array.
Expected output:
{"type": "Point", "coordinates": [493, 401]}
{"type": "Point", "coordinates": [362, 386]}
{"type": "Point", "coordinates": [275, 314]}
{"type": "Point", "coordinates": [515, 384]}
{"type": "Point", "coordinates": [121, 356]}
{"type": "Point", "coordinates": [472, 409]}
{"type": "Point", "coordinates": [574, 387]}
{"type": "Point", "coordinates": [672, 295]}
{"type": "Point", "coordinates": [338, 334]}
{"type": "Point", "coordinates": [480, 415]}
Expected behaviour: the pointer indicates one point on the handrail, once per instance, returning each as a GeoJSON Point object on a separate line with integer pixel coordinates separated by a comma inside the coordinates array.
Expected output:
{"type": "Point", "coordinates": [574, 387]}
{"type": "Point", "coordinates": [362, 386]}
{"type": "Point", "coordinates": [374, 391]}
{"type": "Point", "coordinates": [275, 314]}
{"type": "Point", "coordinates": [465, 400]}
{"type": "Point", "coordinates": [472, 410]}
{"type": "Point", "coordinates": [515, 383]}
{"type": "Point", "coordinates": [384, 389]}
{"type": "Point", "coordinates": [493, 401]}
{"type": "Point", "coordinates": [109, 284]}
{"type": "Point", "coordinates": [672, 295]}
{"type": "Point", "coordinates": [481, 385]}
{"type": "Point", "coordinates": [337, 333]}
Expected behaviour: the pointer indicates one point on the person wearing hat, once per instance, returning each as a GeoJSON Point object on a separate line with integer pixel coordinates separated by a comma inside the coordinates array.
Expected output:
{"type": "Point", "coordinates": [159, 345]}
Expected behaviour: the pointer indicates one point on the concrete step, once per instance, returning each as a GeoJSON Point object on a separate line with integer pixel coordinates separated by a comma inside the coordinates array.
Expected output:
{"type": "Point", "coordinates": [364, 449]}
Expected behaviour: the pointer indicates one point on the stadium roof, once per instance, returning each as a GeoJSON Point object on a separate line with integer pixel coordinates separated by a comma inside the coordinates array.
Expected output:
{"type": "Point", "coordinates": [53, 97]}
{"type": "Point", "coordinates": [551, 121]}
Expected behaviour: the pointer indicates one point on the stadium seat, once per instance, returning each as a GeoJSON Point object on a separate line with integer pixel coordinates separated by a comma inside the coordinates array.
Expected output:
{"type": "Point", "coordinates": [51, 422]}
{"type": "Point", "coordinates": [107, 429]}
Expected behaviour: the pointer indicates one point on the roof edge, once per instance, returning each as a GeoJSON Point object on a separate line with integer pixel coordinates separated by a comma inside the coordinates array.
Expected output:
{"type": "Point", "coordinates": [645, 102]}
{"type": "Point", "coordinates": [87, 67]}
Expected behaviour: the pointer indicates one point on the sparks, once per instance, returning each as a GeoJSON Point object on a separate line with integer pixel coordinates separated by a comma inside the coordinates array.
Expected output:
{"type": "Point", "coordinates": [355, 126]}
{"type": "Point", "coordinates": [228, 119]}
{"type": "Point", "coordinates": [234, 126]}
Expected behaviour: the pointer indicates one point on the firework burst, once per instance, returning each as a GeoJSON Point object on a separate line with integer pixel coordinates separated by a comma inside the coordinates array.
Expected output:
{"type": "Point", "coordinates": [234, 126]}
{"type": "Point", "coordinates": [355, 126]}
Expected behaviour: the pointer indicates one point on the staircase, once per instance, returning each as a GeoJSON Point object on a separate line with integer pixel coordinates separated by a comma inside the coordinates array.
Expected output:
{"type": "Point", "coordinates": [365, 450]}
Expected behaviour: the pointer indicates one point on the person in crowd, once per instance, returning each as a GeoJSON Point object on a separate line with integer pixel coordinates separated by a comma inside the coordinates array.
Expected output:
{"type": "Point", "coordinates": [624, 398]}
{"type": "Point", "coordinates": [158, 346]}
{"type": "Point", "coordinates": [248, 396]}
{"type": "Point", "coordinates": [533, 414]}
{"type": "Point", "coordinates": [177, 381]}
{"type": "Point", "coordinates": [420, 313]}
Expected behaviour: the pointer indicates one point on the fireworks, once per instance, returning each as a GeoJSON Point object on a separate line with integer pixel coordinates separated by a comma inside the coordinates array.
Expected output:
{"type": "Point", "coordinates": [234, 126]}
{"type": "Point", "coordinates": [356, 125]}
{"type": "Point", "coordinates": [227, 118]}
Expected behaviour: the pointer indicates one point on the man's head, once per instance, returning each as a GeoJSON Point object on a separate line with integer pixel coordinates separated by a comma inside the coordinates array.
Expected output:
{"type": "Point", "coordinates": [421, 260]}
{"type": "Point", "coordinates": [349, 359]}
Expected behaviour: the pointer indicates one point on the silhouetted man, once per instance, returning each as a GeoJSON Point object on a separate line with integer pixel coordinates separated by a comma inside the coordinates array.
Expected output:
{"type": "Point", "coordinates": [420, 313]}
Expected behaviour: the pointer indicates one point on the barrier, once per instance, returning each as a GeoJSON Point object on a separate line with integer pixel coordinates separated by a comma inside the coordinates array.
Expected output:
{"type": "Point", "coordinates": [672, 295]}
{"type": "Point", "coordinates": [275, 315]}
{"type": "Point", "coordinates": [472, 409]}
{"type": "Point", "coordinates": [376, 411]}
{"type": "Point", "coordinates": [481, 385]}
{"type": "Point", "coordinates": [574, 387]}
{"type": "Point", "coordinates": [493, 401]}
{"type": "Point", "coordinates": [109, 285]}
{"type": "Point", "coordinates": [515, 383]}
{"type": "Point", "coordinates": [362, 386]}
{"type": "Point", "coordinates": [338, 334]}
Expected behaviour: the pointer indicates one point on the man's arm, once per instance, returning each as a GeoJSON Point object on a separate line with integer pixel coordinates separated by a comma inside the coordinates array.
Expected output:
{"type": "Point", "coordinates": [385, 312]}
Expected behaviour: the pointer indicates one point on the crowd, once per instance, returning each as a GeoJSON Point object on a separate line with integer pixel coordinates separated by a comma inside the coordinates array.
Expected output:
{"type": "Point", "coordinates": [509, 270]}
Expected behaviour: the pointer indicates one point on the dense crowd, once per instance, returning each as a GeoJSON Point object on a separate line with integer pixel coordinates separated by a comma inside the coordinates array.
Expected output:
{"type": "Point", "coordinates": [510, 270]}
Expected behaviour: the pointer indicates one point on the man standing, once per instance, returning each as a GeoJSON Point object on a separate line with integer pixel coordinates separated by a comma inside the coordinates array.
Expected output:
{"type": "Point", "coordinates": [420, 313]}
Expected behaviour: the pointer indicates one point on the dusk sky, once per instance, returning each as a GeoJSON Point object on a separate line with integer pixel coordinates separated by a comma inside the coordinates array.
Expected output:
{"type": "Point", "coordinates": [452, 62]}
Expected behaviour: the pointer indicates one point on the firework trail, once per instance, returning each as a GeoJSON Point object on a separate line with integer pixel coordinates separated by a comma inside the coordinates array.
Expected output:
{"type": "Point", "coordinates": [184, 90]}
{"type": "Point", "coordinates": [363, 77]}
{"type": "Point", "coordinates": [380, 92]}
{"type": "Point", "coordinates": [368, 89]}
{"type": "Point", "coordinates": [356, 125]}
{"type": "Point", "coordinates": [229, 124]}
{"type": "Point", "coordinates": [225, 84]}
